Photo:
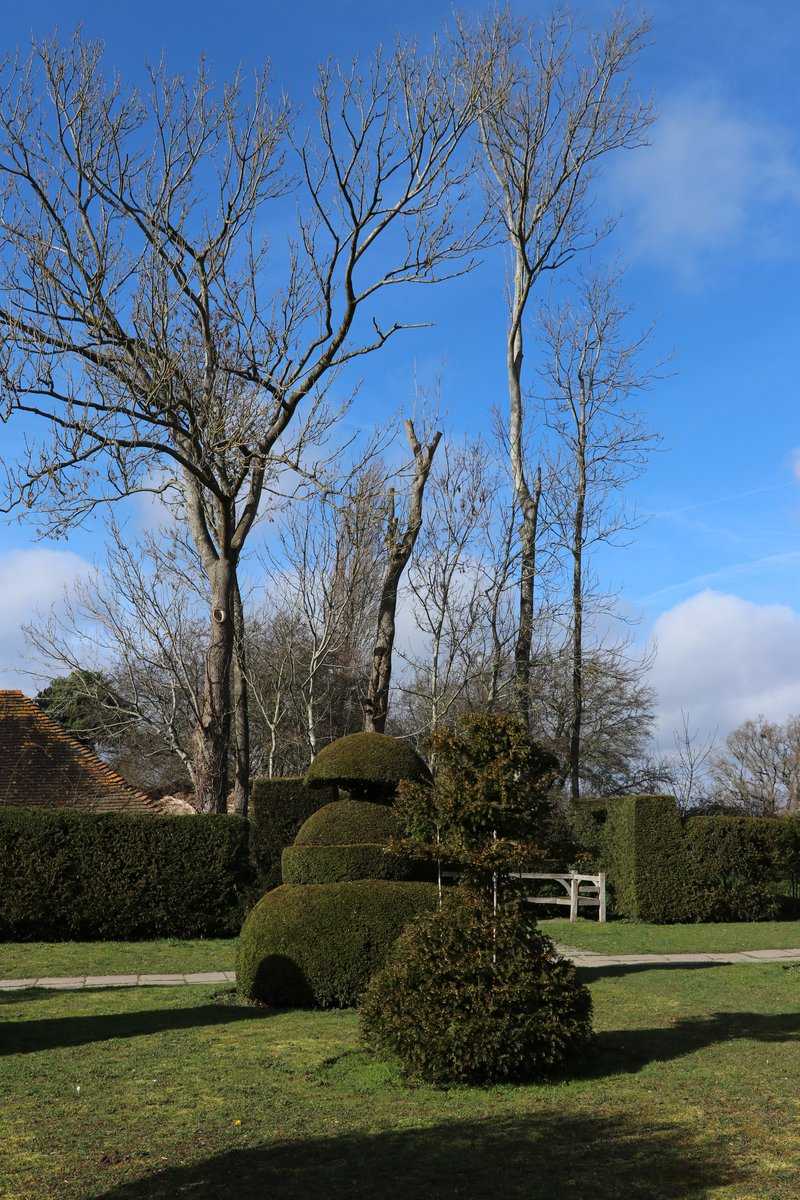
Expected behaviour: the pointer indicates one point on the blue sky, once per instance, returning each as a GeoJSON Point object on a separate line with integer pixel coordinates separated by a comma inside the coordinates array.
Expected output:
{"type": "Point", "coordinates": [711, 237]}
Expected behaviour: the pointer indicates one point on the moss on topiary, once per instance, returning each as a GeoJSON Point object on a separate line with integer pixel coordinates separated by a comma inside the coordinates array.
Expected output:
{"type": "Point", "coordinates": [319, 944]}
{"type": "Point", "coordinates": [336, 864]}
{"type": "Point", "coordinates": [368, 765]}
{"type": "Point", "coordinates": [348, 822]}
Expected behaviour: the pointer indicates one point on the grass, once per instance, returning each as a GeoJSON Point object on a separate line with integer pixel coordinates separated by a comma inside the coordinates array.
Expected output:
{"type": "Point", "coordinates": [689, 1094]}
{"type": "Point", "coordinates": [32, 960]}
{"type": "Point", "coordinates": [629, 937]}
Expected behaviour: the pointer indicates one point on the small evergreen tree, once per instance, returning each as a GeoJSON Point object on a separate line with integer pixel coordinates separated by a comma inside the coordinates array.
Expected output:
{"type": "Point", "coordinates": [489, 812]}
{"type": "Point", "coordinates": [475, 992]}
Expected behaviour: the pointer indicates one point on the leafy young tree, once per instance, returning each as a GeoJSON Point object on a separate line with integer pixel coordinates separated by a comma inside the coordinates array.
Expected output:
{"type": "Point", "coordinates": [489, 809]}
{"type": "Point", "coordinates": [84, 703]}
{"type": "Point", "coordinates": [152, 335]}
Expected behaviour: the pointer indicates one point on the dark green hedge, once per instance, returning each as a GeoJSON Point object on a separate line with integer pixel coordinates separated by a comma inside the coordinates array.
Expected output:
{"type": "Point", "coordinates": [83, 876]}
{"type": "Point", "coordinates": [731, 863]}
{"type": "Point", "coordinates": [347, 822]}
{"type": "Point", "coordinates": [369, 765]}
{"type": "Point", "coordinates": [319, 944]}
{"type": "Point", "coordinates": [278, 808]}
{"type": "Point", "coordinates": [337, 864]}
{"type": "Point", "coordinates": [643, 851]}
{"type": "Point", "coordinates": [705, 868]}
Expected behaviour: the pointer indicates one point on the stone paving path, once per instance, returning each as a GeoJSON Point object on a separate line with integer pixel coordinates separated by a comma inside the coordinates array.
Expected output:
{"type": "Point", "coordinates": [581, 958]}
{"type": "Point", "coordinates": [70, 983]}
{"type": "Point", "coordinates": [586, 958]}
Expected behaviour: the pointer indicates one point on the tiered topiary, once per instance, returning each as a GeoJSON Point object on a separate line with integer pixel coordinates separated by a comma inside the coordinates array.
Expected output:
{"type": "Point", "coordinates": [317, 939]}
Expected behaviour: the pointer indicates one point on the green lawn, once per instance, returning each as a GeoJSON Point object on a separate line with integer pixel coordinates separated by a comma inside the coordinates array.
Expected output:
{"type": "Point", "coordinates": [629, 937]}
{"type": "Point", "coordinates": [31, 960]}
{"type": "Point", "coordinates": [690, 1094]}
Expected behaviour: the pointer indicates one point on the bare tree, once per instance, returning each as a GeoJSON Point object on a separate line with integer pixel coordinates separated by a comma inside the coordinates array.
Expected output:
{"type": "Point", "coordinates": [325, 566]}
{"type": "Point", "coordinates": [759, 770]}
{"type": "Point", "coordinates": [618, 715]}
{"type": "Point", "coordinates": [141, 321]}
{"type": "Point", "coordinates": [136, 623]}
{"type": "Point", "coordinates": [689, 764]}
{"type": "Point", "coordinates": [550, 112]}
{"type": "Point", "coordinates": [399, 545]}
{"type": "Point", "coordinates": [446, 581]}
{"type": "Point", "coordinates": [591, 373]}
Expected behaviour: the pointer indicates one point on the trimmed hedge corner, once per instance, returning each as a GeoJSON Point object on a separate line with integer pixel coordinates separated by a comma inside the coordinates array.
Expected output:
{"type": "Point", "coordinates": [337, 864]}
{"type": "Point", "coordinates": [86, 876]}
{"type": "Point", "coordinates": [663, 868]}
{"type": "Point", "coordinates": [369, 765]}
{"type": "Point", "coordinates": [278, 809]}
{"type": "Point", "coordinates": [317, 945]}
{"type": "Point", "coordinates": [644, 853]}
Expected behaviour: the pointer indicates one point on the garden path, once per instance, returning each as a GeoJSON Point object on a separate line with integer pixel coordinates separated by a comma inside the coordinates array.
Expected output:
{"type": "Point", "coordinates": [581, 958]}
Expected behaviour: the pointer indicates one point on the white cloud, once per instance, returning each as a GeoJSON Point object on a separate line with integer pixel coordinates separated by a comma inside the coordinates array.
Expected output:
{"type": "Point", "coordinates": [710, 178]}
{"type": "Point", "coordinates": [724, 659]}
{"type": "Point", "coordinates": [30, 580]}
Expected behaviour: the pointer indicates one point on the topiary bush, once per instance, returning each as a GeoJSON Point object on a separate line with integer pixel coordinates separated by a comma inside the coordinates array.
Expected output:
{"type": "Point", "coordinates": [347, 822]}
{"type": "Point", "coordinates": [368, 765]}
{"type": "Point", "coordinates": [336, 864]}
{"type": "Point", "coordinates": [468, 996]}
{"type": "Point", "coordinates": [317, 945]}
{"type": "Point", "coordinates": [278, 808]}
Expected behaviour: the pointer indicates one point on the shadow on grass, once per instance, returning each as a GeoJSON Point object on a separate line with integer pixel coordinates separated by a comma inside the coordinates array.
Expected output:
{"type": "Point", "coordinates": [548, 1156]}
{"type": "Point", "coordinates": [26, 1037]}
{"type": "Point", "coordinates": [613, 970]}
{"type": "Point", "coordinates": [621, 1051]}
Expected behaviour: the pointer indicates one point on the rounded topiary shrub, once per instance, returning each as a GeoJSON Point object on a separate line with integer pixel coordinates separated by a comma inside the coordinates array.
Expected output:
{"type": "Point", "coordinates": [348, 822]}
{"type": "Point", "coordinates": [368, 765]}
{"type": "Point", "coordinates": [472, 997]}
{"type": "Point", "coordinates": [336, 864]}
{"type": "Point", "coordinates": [317, 945]}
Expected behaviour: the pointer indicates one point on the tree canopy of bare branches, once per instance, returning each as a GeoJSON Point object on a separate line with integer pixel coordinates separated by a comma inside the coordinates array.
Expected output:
{"type": "Point", "coordinates": [151, 335]}
{"type": "Point", "coordinates": [550, 111]}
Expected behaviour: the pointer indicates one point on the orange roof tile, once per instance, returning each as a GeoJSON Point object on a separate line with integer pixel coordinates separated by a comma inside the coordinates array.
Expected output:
{"type": "Point", "coordinates": [42, 765]}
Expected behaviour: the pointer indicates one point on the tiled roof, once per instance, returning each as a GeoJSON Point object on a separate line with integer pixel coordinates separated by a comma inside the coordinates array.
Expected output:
{"type": "Point", "coordinates": [42, 765]}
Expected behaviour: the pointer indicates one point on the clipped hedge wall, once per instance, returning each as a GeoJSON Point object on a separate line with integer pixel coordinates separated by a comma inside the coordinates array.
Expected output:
{"type": "Point", "coordinates": [317, 945]}
{"type": "Point", "coordinates": [337, 864]}
{"type": "Point", "coordinates": [705, 868]}
{"type": "Point", "coordinates": [643, 852]}
{"type": "Point", "coordinates": [349, 821]}
{"type": "Point", "coordinates": [278, 808]}
{"type": "Point", "coordinates": [731, 862]}
{"type": "Point", "coordinates": [75, 875]}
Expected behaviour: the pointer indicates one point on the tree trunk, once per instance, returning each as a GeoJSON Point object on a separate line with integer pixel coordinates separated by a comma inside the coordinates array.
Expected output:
{"type": "Point", "coordinates": [376, 705]}
{"type": "Point", "coordinates": [241, 714]}
{"type": "Point", "coordinates": [577, 624]}
{"type": "Point", "coordinates": [528, 501]}
{"type": "Point", "coordinates": [527, 577]}
{"type": "Point", "coordinates": [212, 735]}
{"type": "Point", "coordinates": [399, 549]}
